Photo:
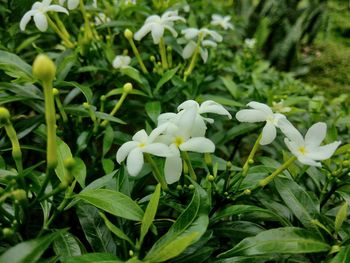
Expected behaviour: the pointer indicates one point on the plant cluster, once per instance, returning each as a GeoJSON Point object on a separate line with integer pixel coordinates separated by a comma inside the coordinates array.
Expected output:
{"type": "Point", "coordinates": [125, 137]}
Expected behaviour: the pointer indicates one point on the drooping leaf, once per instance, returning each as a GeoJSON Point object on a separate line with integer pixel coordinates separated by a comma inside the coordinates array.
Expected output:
{"type": "Point", "coordinates": [113, 202]}
{"type": "Point", "coordinates": [29, 251]}
{"type": "Point", "coordinates": [289, 240]}
{"type": "Point", "coordinates": [15, 67]}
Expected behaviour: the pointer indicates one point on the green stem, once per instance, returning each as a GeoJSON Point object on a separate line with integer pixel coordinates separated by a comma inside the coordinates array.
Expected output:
{"type": "Point", "coordinates": [137, 55]}
{"type": "Point", "coordinates": [65, 39]}
{"type": "Point", "coordinates": [162, 51]}
{"type": "Point", "coordinates": [16, 149]}
{"type": "Point", "coordinates": [160, 179]}
{"type": "Point", "coordinates": [50, 117]}
{"type": "Point", "coordinates": [61, 109]}
{"type": "Point", "coordinates": [88, 31]}
{"type": "Point", "coordinates": [60, 25]}
{"type": "Point", "coordinates": [284, 166]}
{"type": "Point", "coordinates": [193, 62]}
{"type": "Point", "coordinates": [189, 165]}
{"type": "Point", "coordinates": [116, 107]}
{"type": "Point", "coordinates": [48, 175]}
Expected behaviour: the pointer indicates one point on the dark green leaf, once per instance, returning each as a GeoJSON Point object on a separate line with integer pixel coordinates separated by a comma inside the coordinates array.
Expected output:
{"type": "Point", "coordinates": [66, 246]}
{"type": "Point", "coordinates": [113, 202]}
{"type": "Point", "coordinates": [153, 110]}
{"type": "Point", "coordinates": [231, 87]}
{"type": "Point", "coordinates": [63, 152]}
{"type": "Point", "coordinates": [15, 67]}
{"type": "Point", "coordinates": [107, 139]}
{"type": "Point", "coordinates": [343, 256]}
{"type": "Point", "coordinates": [94, 258]}
{"type": "Point", "coordinates": [165, 78]}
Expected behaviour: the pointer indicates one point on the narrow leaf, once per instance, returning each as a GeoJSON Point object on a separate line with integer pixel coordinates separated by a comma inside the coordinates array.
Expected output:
{"type": "Point", "coordinates": [66, 246]}
{"type": "Point", "coordinates": [341, 216]}
{"type": "Point", "coordinates": [94, 258]}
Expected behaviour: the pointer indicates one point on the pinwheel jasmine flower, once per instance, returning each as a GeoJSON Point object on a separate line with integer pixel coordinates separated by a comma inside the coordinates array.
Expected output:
{"type": "Point", "coordinates": [223, 21]}
{"type": "Point", "coordinates": [280, 107]}
{"type": "Point", "coordinates": [179, 138]}
{"type": "Point", "coordinates": [308, 149]}
{"type": "Point", "coordinates": [141, 143]}
{"type": "Point", "coordinates": [71, 4]}
{"type": "Point", "coordinates": [101, 18]}
{"type": "Point", "coordinates": [156, 25]}
{"type": "Point", "coordinates": [38, 12]}
{"type": "Point", "coordinates": [261, 112]}
{"type": "Point", "coordinates": [121, 61]}
{"type": "Point", "coordinates": [250, 42]}
{"type": "Point", "coordinates": [193, 35]}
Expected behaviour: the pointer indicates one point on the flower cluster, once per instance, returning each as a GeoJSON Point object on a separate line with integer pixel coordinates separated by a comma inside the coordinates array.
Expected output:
{"type": "Point", "coordinates": [176, 132]}
{"type": "Point", "coordinates": [307, 150]}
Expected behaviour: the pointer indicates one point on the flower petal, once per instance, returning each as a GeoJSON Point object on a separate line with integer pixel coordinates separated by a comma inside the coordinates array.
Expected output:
{"type": "Point", "coordinates": [324, 152]}
{"type": "Point", "coordinates": [187, 104]}
{"type": "Point", "coordinates": [26, 18]}
{"type": "Point", "coordinates": [186, 121]}
{"type": "Point", "coordinates": [308, 161]}
{"type": "Point", "coordinates": [210, 106]}
{"type": "Point", "coordinates": [57, 8]}
{"type": "Point", "coordinates": [144, 30]}
{"type": "Point", "coordinates": [140, 136]}
{"type": "Point", "coordinates": [124, 150]}
{"type": "Point", "coordinates": [157, 32]}
{"type": "Point", "coordinates": [316, 134]}
{"type": "Point", "coordinates": [190, 33]}
{"type": "Point", "coordinates": [40, 21]}
{"type": "Point", "coordinates": [293, 148]}
{"type": "Point", "coordinates": [198, 144]}
{"type": "Point", "coordinates": [268, 134]}
{"type": "Point", "coordinates": [134, 162]}
{"type": "Point", "coordinates": [172, 169]}
{"type": "Point", "coordinates": [260, 106]}
{"type": "Point", "coordinates": [171, 29]}
{"type": "Point", "coordinates": [199, 127]}
{"type": "Point", "coordinates": [204, 54]}
{"type": "Point", "coordinates": [251, 116]}
{"type": "Point", "coordinates": [157, 149]}
{"type": "Point", "coordinates": [290, 131]}
{"type": "Point", "coordinates": [72, 4]}
{"type": "Point", "coordinates": [189, 50]}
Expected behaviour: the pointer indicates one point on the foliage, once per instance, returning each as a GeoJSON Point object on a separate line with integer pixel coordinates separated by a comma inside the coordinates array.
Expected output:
{"type": "Point", "coordinates": [74, 202]}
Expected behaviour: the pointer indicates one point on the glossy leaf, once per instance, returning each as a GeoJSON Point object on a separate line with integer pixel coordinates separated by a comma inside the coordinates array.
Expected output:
{"type": "Point", "coordinates": [29, 251]}
{"type": "Point", "coordinates": [150, 213]}
{"type": "Point", "coordinates": [289, 240]}
{"type": "Point", "coordinates": [341, 216]}
{"type": "Point", "coordinates": [165, 78]}
{"type": "Point", "coordinates": [113, 202]}
{"type": "Point", "coordinates": [107, 139]}
{"type": "Point", "coordinates": [94, 258]}
{"type": "Point", "coordinates": [14, 66]}
{"type": "Point", "coordinates": [231, 87]}
{"type": "Point", "coordinates": [66, 246]}
{"type": "Point", "coordinates": [63, 152]}
{"type": "Point", "coordinates": [343, 256]}
{"type": "Point", "coordinates": [153, 110]}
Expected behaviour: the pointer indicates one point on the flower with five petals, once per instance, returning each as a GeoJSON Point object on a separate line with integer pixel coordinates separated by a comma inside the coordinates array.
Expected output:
{"type": "Point", "coordinates": [38, 12]}
{"type": "Point", "coordinates": [71, 4]}
{"type": "Point", "coordinates": [223, 21]}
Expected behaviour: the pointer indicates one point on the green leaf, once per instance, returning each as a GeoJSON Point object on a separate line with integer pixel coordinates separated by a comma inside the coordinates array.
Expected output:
{"type": "Point", "coordinates": [231, 87]}
{"type": "Point", "coordinates": [79, 171]}
{"type": "Point", "coordinates": [165, 78]}
{"type": "Point", "coordinates": [290, 240]}
{"type": "Point", "coordinates": [343, 256]}
{"type": "Point", "coordinates": [343, 149]}
{"type": "Point", "coordinates": [15, 67]}
{"type": "Point", "coordinates": [115, 230]}
{"type": "Point", "coordinates": [132, 73]}
{"type": "Point", "coordinates": [298, 201]}
{"type": "Point", "coordinates": [186, 230]}
{"type": "Point", "coordinates": [29, 251]}
{"type": "Point", "coordinates": [341, 216]}
{"type": "Point", "coordinates": [150, 213]}
{"type": "Point", "coordinates": [107, 139]}
{"type": "Point", "coordinates": [66, 245]}
{"type": "Point", "coordinates": [153, 109]}
{"type": "Point", "coordinates": [87, 92]}
{"type": "Point", "coordinates": [107, 165]}
{"type": "Point", "coordinates": [113, 202]}
{"type": "Point", "coordinates": [94, 258]}
{"type": "Point", "coordinates": [63, 152]}
{"type": "Point", "coordinates": [221, 100]}
{"type": "Point", "coordinates": [96, 232]}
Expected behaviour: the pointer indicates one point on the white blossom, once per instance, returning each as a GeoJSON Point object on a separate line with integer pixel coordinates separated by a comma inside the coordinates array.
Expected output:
{"type": "Point", "coordinates": [121, 61]}
{"type": "Point", "coordinates": [157, 25]}
{"type": "Point", "coordinates": [308, 150]}
{"type": "Point", "coordinates": [38, 12]}
{"type": "Point", "coordinates": [250, 42]}
{"type": "Point", "coordinates": [71, 4]}
{"type": "Point", "coordinates": [191, 36]}
{"type": "Point", "coordinates": [141, 143]}
{"type": "Point", "coordinates": [223, 21]}
{"type": "Point", "coordinates": [261, 112]}
{"type": "Point", "coordinates": [101, 18]}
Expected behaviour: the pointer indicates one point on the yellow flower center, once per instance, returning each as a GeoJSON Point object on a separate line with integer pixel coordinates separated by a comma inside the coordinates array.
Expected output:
{"type": "Point", "coordinates": [302, 150]}
{"type": "Point", "coordinates": [141, 145]}
{"type": "Point", "coordinates": [178, 141]}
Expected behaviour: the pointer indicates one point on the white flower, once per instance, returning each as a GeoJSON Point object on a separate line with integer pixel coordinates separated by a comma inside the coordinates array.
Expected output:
{"type": "Point", "coordinates": [250, 42]}
{"type": "Point", "coordinates": [141, 143]}
{"type": "Point", "coordinates": [101, 18]}
{"type": "Point", "coordinates": [71, 4]}
{"type": "Point", "coordinates": [262, 112]}
{"type": "Point", "coordinates": [38, 11]}
{"type": "Point", "coordinates": [121, 61]}
{"type": "Point", "coordinates": [191, 36]}
{"type": "Point", "coordinates": [279, 107]}
{"type": "Point", "coordinates": [179, 139]}
{"type": "Point", "coordinates": [223, 21]}
{"type": "Point", "coordinates": [308, 149]}
{"type": "Point", "coordinates": [156, 25]}
{"type": "Point", "coordinates": [130, 2]}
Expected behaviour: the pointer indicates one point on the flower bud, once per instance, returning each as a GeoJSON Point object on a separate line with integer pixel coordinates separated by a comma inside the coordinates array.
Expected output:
{"type": "Point", "coordinates": [191, 187]}
{"type": "Point", "coordinates": [103, 98]}
{"type": "Point", "coordinates": [210, 178]}
{"type": "Point", "coordinates": [4, 115]}
{"type": "Point", "coordinates": [86, 105]}
{"type": "Point", "coordinates": [55, 91]}
{"type": "Point", "coordinates": [127, 88]}
{"type": "Point", "coordinates": [7, 232]}
{"type": "Point", "coordinates": [19, 195]}
{"type": "Point", "coordinates": [44, 69]}
{"type": "Point", "coordinates": [128, 34]}
{"type": "Point", "coordinates": [69, 163]}
{"type": "Point", "coordinates": [247, 192]}
{"type": "Point", "coordinates": [178, 187]}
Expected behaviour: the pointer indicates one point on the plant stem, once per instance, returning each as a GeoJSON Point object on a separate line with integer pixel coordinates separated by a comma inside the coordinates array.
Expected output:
{"type": "Point", "coordinates": [189, 165]}
{"type": "Point", "coordinates": [116, 108]}
{"type": "Point", "coordinates": [162, 51]}
{"type": "Point", "coordinates": [65, 39]}
{"type": "Point", "coordinates": [137, 55]}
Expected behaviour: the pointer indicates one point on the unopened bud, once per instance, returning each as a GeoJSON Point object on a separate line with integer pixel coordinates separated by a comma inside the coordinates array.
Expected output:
{"type": "Point", "coordinates": [86, 105]}
{"type": "Point", "coordinates": [210, 178]}
{"type": "Point", "coordinates": [103, 98]}
{"type": "Point", "coordinates": [69, 163]}
{"type": "Point", "coordinates": [19, 195]}
{"type": "Point", "coordinates": [128, 34]}
{"type": "Point", "coordinates": [4, 115]}
{"type": "Point", "coordinates": [247, 192]}
{"type": "Point", "coordinates": [55, 91]}
{"type": "Point", "coordinates": [178, 187]}
{"type": "Point", "coordinates": [191, 187]}
{"type": "Point", "coordinates": [7, 232]}
{"type": "Point", "coordinates": [127, 88]}
{"type": "Point", "coordinates": [44, 69]}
